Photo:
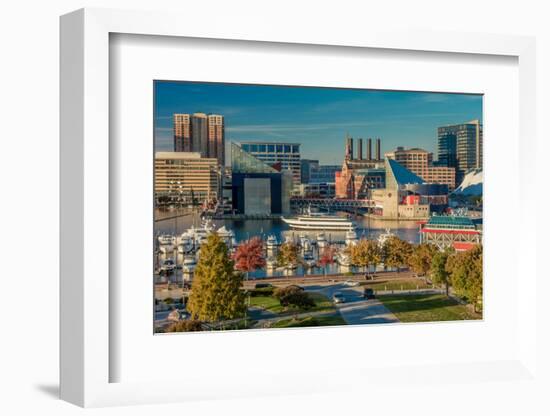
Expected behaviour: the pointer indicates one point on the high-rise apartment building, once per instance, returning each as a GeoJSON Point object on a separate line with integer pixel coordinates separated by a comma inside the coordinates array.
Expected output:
{"type": "Point", "coordinates": [273, 153]}
{"type": "Point", "coordinates": [420, 162]}
{"type": "Point", "coordinates": [461, 146]}
{"type": "Point", "coordinates": [200, 133]}
{"type": "Point", "coordinates": [182, 132]}
{"type": "Point", "coordinates": [216, 138]}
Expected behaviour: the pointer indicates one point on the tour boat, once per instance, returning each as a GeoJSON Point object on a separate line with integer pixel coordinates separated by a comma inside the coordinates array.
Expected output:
{"type": "Point", "coordinates": [168, 266]}
{"type": "Point", "coordinates": [319, 221]}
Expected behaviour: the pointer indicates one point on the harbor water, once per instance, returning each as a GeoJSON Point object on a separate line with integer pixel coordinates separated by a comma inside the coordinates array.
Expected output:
{"type": "Point", "coordinates": [176, 222]}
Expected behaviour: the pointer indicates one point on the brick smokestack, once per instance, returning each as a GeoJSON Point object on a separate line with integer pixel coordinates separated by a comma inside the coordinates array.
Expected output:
{"type": "Point", "coordinates": [360, 149]}
{"type": "Point", "coordinates": [349, 148]}
{"type": "Point", "coordinates": [369, 149]}
{"type": "Point", "coordinates": [378, 149]}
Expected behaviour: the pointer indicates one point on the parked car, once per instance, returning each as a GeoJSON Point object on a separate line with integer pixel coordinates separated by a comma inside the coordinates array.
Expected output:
{"type": "Point", "coordinates": [262, 285]}
{"type": "Point", "coordinates": [351, 283]}
{"type": "Point", "coordinates": [338, 297]}
{"type": "Point", "coordinates": [368, 293]}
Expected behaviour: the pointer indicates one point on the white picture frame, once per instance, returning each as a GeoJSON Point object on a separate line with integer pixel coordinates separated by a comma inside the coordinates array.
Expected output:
{"type": "Point", "coordinates": [86, 355]}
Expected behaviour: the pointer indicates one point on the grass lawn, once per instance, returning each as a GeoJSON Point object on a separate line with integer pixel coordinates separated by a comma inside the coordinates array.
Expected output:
{"type": "Point", "coordinates": [271, 303]}
{"type": "Point", "coordinates": [426, 308]}
{"type": "Point", "coordinates": [329, 320]}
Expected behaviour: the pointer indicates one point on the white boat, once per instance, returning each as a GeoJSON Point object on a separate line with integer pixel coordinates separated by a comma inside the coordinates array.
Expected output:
{"type": "Point", "coordinates": [189, 264]}
{"type": "Point", "coordinates": [166, 243]}
{"type": "Point", "coordinates": [319, 221]}
{"type": "Point", "coordinates": [309, 261]}
{"type": "Point", "coordinates": [185, 245]}
{"type": "Point", "coordinates": [383, 237]}
{"type": "Point", "coordinates": [271, 242]}
{"type": "Point", "coordinates": [228, 236]}
{"type": "Point", "coordinates": [167, 266]}
{"type": "Point", "coordinates": [321, 240]}
{"type": "Point", "coordinates": [351, 237]}
{"type": "Point", "coordinates": [343, 259]}
{"type": "Point", "coordinates": [271, 263]}
{"type": "Point", "coordinates": [305, 243]}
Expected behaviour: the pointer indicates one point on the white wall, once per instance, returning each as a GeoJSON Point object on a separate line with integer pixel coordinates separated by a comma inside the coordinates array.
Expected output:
{"type": "Point", "coordinates": [29, 209]}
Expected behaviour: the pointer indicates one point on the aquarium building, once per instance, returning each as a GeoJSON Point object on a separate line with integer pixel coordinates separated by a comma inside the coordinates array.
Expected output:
{"type": "Point", "coordinates": [258, 189]}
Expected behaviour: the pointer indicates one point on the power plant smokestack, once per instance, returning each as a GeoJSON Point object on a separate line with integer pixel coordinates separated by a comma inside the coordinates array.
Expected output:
{"type": "Point", "coordinates": [369, 149]}
{"type": "Point", "coordinates": [349, 148]}
{"type": "Point", "coordinates": [378, 149]}
{"type": "Point", "coordinates": [360, 149]}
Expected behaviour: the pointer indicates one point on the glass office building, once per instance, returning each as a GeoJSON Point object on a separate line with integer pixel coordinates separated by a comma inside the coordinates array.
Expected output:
{"type": "Point", "coordinates": [273, 153]}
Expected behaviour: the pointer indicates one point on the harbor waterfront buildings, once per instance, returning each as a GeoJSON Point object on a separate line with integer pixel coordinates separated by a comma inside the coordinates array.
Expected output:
{"type": "Point", "coordinates": [360, 174]}
{"type": "Point", "coordinates": [201, 133]}
{"type": "Point", "coordinates": [420, 162]}
{"type": "Point", "coordinates": [461, 146]}
{"type": "Point", "coordinates": [287, 154]}
{"type": "Point", "coordinates": [185, 176]}
{"type": "Point", "coordinates": [445, 231]}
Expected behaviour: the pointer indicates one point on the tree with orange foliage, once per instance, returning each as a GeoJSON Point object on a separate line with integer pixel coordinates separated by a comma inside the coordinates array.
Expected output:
{"type": "Point", "coordinates": [249, 255]}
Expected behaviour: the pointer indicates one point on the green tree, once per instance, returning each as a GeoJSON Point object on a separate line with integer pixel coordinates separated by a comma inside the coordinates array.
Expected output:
{"type": "Point", "coordinates": [365, 253]}
{"type": "Point", "coordinates": [288, 254]}
{"type": "Point", "coordinates": [216, 292]}
{"type": "Point", "coordinates": [420, 259]}
{"type": "Point", "coordinates": [396, 252]}
{"type": "Point", "coordinates": [438, 269]}
{"type": "Point", "coordinates": [294, 296]}
{"type": "Point", "coordinates": [466, 274]}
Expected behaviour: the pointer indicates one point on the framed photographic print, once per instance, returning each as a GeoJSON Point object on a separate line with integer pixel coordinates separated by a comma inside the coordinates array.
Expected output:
{"type": "Point", "coordinates": [241, 208]}
{"type": "Point", "coordinates": [264, 219]}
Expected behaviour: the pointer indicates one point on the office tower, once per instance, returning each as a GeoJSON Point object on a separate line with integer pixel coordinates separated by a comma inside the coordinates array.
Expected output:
{"type": "Point", "coordinates": [183, 176]}
{"type": "Point", "coordinates": [378, 149]}
{"type": "Point", "coordinates": [182, 132]}
{"type": "Point", "coordinates": [360, 149]}
{"type": "Point", "coordinates": [271, 153]}
{"type": "Point", "coordinates": [461, 146]}
{"type": "Point", "coordinates": [306, 165]}
{"type": "Point", "coordinates": [199, 134]}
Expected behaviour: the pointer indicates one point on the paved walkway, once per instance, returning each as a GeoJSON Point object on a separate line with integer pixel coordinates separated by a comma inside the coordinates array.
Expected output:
{"type": "Point", "coordinates": [356, 310]}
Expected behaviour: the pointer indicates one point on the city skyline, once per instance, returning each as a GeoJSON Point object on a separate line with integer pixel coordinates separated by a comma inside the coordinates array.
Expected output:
{"type": "Point", "coordinates": [318, 118]}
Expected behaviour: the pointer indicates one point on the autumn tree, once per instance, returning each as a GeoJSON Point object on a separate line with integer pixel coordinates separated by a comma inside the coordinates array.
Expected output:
{"type": "Point", "coordinates": [466, 273]}
{"type": "Point", "coordinates": [249, 256]}
{"type": "Point", "coordinates": [327, 257]}
{"type": "Point", "coordinates": [216, 292]}
{"type": "Point", "coordinates": [365, 253]}
{"type": "Point", "coordinates": [420, 259]}
{"type": "Point", "coordinates": [288, 254]}
{"type": "Point", "coordinates": [396, 252]}
{"type": "Point", "coordinates": [438, 269]}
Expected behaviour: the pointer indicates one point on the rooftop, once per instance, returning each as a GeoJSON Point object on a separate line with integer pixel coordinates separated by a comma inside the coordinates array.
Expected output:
{"type": "Point", "coordinates": [402, 175]}
{"type": "Point", "coordinates": [450, 221]}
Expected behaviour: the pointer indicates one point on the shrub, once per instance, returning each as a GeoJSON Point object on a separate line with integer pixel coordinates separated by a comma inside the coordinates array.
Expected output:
{"type": "Point", "coordinates": [294, 296]}
{"type": "Point", "coordinates": [185, 326]}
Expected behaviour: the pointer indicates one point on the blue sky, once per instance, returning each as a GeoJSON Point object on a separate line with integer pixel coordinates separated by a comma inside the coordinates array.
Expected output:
{"type": "Point", "coordinates": [318, 118]}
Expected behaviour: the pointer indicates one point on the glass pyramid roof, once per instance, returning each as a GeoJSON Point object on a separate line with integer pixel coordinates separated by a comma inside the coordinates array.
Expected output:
{"type": "Point", "coordinates": [244, 162]}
